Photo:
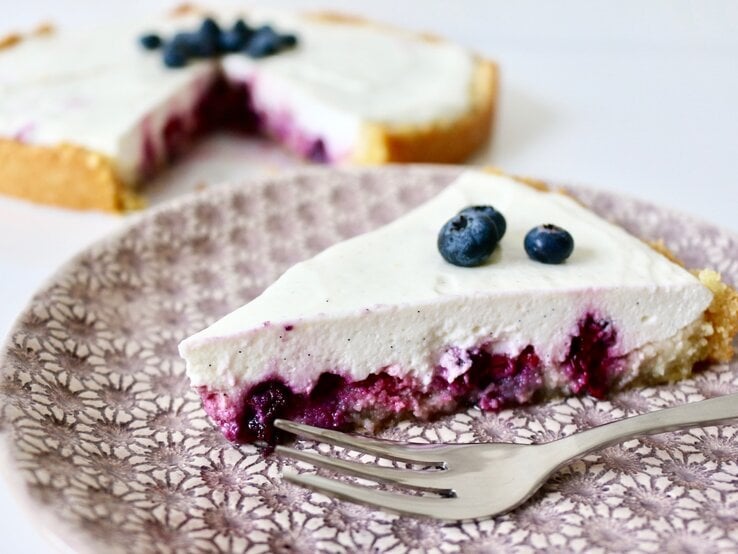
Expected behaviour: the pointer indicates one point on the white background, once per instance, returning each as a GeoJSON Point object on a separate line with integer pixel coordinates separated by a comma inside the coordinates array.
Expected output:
{"type": "Point", "coordinates": [638, 97]}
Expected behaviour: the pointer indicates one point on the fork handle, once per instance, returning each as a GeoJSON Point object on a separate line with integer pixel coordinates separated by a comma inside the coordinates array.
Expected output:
{"type": "Point", "coordinates": [693, 414]}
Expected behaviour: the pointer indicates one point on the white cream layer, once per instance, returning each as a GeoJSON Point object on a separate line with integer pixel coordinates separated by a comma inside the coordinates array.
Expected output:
{"type": "Point", "coordinates": [387, 299]}
{"type": "Point", "coordinates": [100, 90]}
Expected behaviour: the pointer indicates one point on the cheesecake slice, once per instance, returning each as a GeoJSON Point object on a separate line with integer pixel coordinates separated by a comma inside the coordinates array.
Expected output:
{"type": "Point", "coordinates": [381, 327]}
{"type": "Point", "coordinates": [88, 117]}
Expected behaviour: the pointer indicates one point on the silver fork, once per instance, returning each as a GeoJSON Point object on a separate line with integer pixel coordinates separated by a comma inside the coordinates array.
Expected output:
{"type": "Point", "coordinates": [478, 480]}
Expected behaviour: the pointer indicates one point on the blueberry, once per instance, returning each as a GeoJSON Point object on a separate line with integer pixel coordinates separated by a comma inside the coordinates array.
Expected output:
{"type": "Point", "coordinates": [266, 30]}
{"type": "Point", "coordinates": [287, 41]}
{"type": "Point", "coordinates": [210, 29]}
{"type": "Point", "coordinates": [237, 38]}
{"type": "Point", "coordinates": [186, 43]}
{"type": "Point", "coordinates": [264, 42]}
{"type": "Point", "coordinates": [231, 41]}
{"type": "Point", "coordinates": [467, 240]}
{"type": "Point", "coordinates": [206, 47]}
{"type": "Point", "coordinates": [241, 28]}
{"type": "Point", "coordinates": [317, 152]}
{"type": "Point", "coordinates": [548, 244]}
{"type": "Point", "coordinates": [266, 402]}
{"type": "Point", "coordinates": [196, 45]}
{"type": "Point", "coordinates": [491, 213]}
{"type": "Point", "coordinates": [174, 56]}
{"type": "Point", "coordinates": [150, 41]}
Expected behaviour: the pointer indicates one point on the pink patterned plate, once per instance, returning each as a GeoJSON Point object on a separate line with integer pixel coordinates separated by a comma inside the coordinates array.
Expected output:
{"type": "Point", "coordinates": [111, 448]}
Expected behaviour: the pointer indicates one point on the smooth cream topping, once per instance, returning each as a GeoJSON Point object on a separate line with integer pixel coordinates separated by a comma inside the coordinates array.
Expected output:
{"type": "Point", "coordinates": [370, 72]}
{"type": "Point", "coordinates": [388, 299]}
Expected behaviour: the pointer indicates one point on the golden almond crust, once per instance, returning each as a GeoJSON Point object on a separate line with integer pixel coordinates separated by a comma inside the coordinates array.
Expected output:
{"type": "Point", "coordinates": [64, 175]}
{"type": "Point", "coordinates": [10, 40]}
{"type": "Point", "coordinates": [44, 29]}
{"type": "Point", "coordinates": [13, 39]}
{"type": "Point", "coordinates": [185, 8]}
{"type": "Point", "coordinates": [722, 314]}
{"type": "Point", "coordinates": [339, 17]}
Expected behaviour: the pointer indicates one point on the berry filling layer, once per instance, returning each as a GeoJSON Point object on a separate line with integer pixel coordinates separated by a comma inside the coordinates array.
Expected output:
{"type": "Point", "coordinates": [222, 105]}
{"type": "Point", "coordinates": [492, 382]}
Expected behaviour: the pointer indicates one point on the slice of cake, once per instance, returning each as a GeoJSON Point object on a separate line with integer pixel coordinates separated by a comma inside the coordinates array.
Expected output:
{"type": "Point", "coordinates": [86, 117]}
{"type": "Point", "coordinates": [382, 327]}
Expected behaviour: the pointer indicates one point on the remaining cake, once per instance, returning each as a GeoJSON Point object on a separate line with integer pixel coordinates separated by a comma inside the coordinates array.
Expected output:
{"type": "Point", "coordinates": [381, 326]}
{"type": "Point", "coordinates": [85, 118]}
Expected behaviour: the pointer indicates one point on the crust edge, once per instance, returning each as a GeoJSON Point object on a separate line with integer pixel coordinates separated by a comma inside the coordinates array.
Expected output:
{"type": "Point", "coordinates": [64, 175]}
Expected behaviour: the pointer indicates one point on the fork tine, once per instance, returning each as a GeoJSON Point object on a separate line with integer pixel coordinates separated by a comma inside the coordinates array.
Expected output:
{"type": "Point", "coordinates": [410, 453]}
{"type": "Point", "coordinates": [399, 503]}
{"type": "Point", "coordinates": [412, 478]}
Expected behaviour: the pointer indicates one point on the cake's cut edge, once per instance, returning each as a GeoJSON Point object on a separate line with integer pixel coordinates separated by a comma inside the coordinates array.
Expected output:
{"type": "Point", "coordinates": [64, 175]}
{"type": "Point", "coordinates": [492, 382]}
{"type": "Point", "coordinates": [443, 141]}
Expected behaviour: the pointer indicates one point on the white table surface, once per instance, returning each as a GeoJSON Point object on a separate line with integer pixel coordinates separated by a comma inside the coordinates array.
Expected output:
{"type": "Point", "coordinates": [630, 96]}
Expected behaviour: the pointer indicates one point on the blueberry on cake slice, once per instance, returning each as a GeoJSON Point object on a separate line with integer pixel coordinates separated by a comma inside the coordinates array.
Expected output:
{"type": "Point", "coordinates": [86, 117]}
{"type": "Point", "coordinates": [492, 294]}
